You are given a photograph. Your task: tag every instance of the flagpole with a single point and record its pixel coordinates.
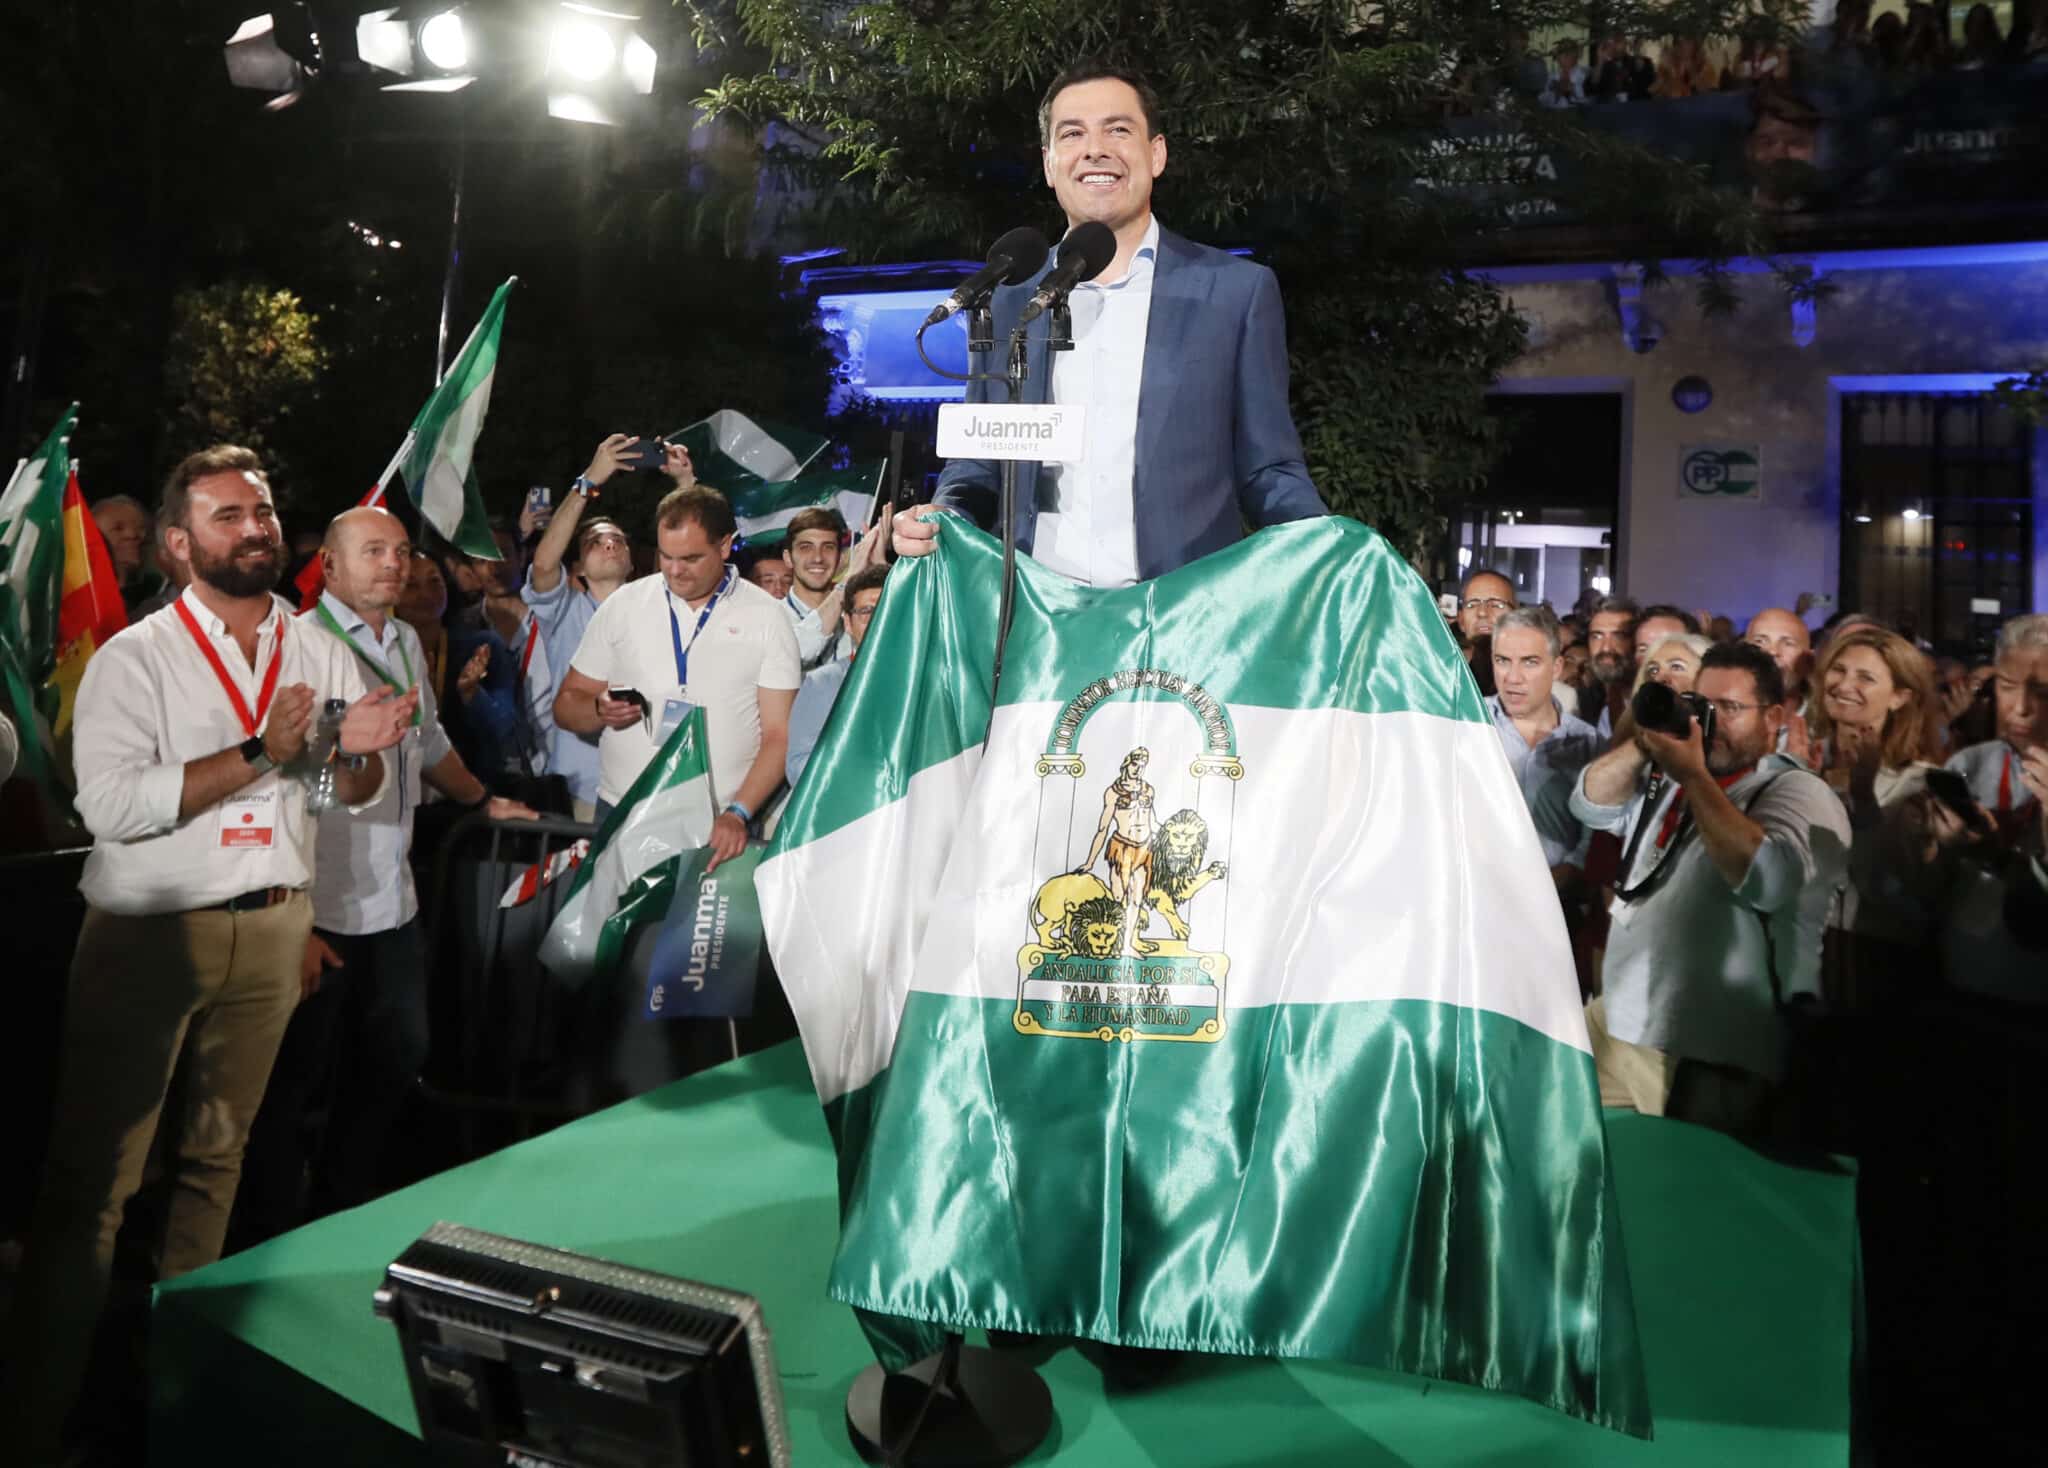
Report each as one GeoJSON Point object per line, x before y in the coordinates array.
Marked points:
{"type": "Point", "coordinates": [454, 248]}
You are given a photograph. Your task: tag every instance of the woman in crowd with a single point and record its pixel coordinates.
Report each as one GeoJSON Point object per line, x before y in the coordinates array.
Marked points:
{"type": "Point", "coordinates": [1683, 70]}
{"type": "Point", "coordinates": [1872, 724]}
{"type": "Point", "coordinates": [1981, 41]}
{"type": "Point", "coordinates": [1674, 662]}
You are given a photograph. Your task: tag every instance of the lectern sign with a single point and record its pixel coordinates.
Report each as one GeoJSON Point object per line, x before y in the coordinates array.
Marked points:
{"type": "Point", "coordinates": [1045, 432]}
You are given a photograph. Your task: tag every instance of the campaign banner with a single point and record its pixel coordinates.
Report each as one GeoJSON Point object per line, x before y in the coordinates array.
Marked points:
{"type": "Point", "coordinates": [708, 949]}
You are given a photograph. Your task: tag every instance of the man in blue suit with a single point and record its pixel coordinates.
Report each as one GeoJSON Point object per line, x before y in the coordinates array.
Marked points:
{"type": "Point", "coordinates": [1180, 358]}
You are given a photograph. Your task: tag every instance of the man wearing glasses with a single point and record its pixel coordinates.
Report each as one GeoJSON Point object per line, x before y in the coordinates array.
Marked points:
{"type": "Point", "coordinates": [1485, 595]}
{"type": "Point", "coordinates": [861, 593]}
{"type": "Point", "coordinates": [1732, 854]}
{"type": "Point", "coordinates": [564, 599]}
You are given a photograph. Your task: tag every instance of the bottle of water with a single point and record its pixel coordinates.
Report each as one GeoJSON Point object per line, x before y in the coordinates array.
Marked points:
{"type": "Point", "coordinates": [326, 735]}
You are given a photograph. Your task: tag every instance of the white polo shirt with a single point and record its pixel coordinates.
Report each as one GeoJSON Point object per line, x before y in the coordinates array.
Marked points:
{"type": "Point", "coordinates": [746, 644]}
{"type": "Point", "coordinates": [149, 703]}
{"type": "Point", "coordinates": [364, 883]}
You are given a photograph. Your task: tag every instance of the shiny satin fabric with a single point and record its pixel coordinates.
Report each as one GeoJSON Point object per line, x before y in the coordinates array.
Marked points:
{"type": "Point", "coordinates": [1408, 1176]}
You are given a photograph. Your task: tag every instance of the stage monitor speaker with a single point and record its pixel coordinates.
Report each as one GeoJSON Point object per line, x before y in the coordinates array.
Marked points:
{"type": "Point", "coordinates": [522, 1354]}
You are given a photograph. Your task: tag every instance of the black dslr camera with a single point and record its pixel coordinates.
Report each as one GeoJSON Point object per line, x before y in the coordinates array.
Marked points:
{"type": "Point", "coordinates": [1670, 712]}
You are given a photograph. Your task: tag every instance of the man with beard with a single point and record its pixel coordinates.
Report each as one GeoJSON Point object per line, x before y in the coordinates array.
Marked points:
{"type": "Point", "coordinates": [1611, 647]}
{"type": "Point", "coordinates": [364, 1015]}
{"type": "Point", "coordinates": [193, 761]}
{"type": "Point", "coordinates": [1733, 855]}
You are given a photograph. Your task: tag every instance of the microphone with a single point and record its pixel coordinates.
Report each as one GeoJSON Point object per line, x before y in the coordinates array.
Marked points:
{"type": "Point", "coordinates": [1084, 254]}
{"type": "Point", "coordinates": [1012, 260]}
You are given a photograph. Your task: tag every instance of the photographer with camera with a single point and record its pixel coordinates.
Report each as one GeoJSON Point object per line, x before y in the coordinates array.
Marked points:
{"type": "Point", "coordinates": [1732, 857]}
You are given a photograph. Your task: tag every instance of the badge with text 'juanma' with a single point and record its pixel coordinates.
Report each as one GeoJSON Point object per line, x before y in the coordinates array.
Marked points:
{"type": "Point", "coordinates": [1046, 432]}
{"type": "Point", "coordinates": [1118, 950]}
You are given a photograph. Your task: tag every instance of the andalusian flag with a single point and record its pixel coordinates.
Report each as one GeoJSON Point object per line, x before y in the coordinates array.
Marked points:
{"type": "Point", "coordinates": [32, 559]}
{"type": "Point", "coordinates": [91, 610]}
{"type": "Point", "coordinates": [1222, 1003]}
{"type": "Point", "coordinates": [435, 458]}
{"type": "Point", "coordinates": [764, 512]}
{"type": "Point", "coordinates": [734, 454]}
{"type": "Point", "coordinates": [630, 874]}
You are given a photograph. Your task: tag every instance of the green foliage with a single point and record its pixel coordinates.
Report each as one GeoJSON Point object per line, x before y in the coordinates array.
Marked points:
{"type": "Point", "coordinates": [1314, 130]}
{"type": "Point", "coordinates": [244, 362]}
{"type": "Point", "coordinates": [2026, 396]}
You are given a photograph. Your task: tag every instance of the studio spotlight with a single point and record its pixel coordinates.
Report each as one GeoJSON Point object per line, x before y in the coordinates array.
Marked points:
{"type": "Point", "coordinates": [444, 41]}
{"type": "Point", "coordinates": [596, 63]}
{"type": "Point", "coordinates": [274, 52]}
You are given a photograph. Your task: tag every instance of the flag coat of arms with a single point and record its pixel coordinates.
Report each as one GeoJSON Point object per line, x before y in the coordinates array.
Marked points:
{"type": "Point", "coordinates": [1222, 1003]}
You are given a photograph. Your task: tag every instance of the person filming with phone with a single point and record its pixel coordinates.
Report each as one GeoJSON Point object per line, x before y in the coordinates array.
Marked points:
{"type": "Point", "coordinates": [1732, 855]}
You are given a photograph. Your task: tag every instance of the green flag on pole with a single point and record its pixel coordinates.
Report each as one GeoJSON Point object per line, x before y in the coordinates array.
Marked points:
{"type": "Point", "coordinates": [645, 843]}
{"type": "Point", "coordinates": [32, 551]}
{"type": "Point", "coordinates": [733, 453]}
{"type": "Point", "coordinates": [765, 510]}
{"type": "Point", "coordinates": [435, 460]}
{"type": "Point", "coordinates": [1176, 1017]}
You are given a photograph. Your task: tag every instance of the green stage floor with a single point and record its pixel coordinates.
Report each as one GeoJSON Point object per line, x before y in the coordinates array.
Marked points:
{"type": "Point", "coordinates": [1744, 1278]}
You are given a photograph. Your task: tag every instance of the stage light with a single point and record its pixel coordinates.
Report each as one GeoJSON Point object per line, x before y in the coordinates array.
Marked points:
{"type": "Point", "coordinates": [1601, 584]}
{"type": "Point", "coordinates": [444, 41]}
{"type": "Point", "coordinates": [582, 49]}
{"type": "Point", "coordinates": [596, 63]}
{"type": "Point", "coordinates": [1911, 512]}
{"type": "Point", "coordinates": [274, 52]}
{"type": "Point", "coordinates": [1862, 519]}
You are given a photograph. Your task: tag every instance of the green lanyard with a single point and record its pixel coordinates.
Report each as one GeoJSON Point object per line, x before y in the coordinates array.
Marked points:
{"type": "Point", "coordinates": [373, 665]}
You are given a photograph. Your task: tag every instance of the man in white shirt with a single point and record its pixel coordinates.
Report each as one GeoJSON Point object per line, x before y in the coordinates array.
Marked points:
{"type": "Point", "coordinates": [192, 763]}
{"type": "Point", "coordinates": [695, 635]}
{"type": "Point", "coordinates": [364, 1015]}
{"type": "Point", "coordinates": [1179, 358]}
{"type": "Point", "coordinates": [810, 549]}
{"type": "Point", "coordinates": [1728, 872]}
{"type": "Point", "coordinates": [1546, 744]}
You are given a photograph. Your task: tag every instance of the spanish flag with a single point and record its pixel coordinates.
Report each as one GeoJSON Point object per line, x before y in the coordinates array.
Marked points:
{"type": "Point", "coordinates": [90, 611]}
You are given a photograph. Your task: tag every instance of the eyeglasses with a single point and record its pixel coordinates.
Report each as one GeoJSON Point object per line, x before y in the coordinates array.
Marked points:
{"type": "Point", "coordinates": [1490, 603]}
{"type": "Point", "coordinates": [862, 612]}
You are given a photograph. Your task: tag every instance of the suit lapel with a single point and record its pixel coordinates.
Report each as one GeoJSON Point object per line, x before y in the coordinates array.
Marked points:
{"type": "Point", "coordinates": [1178, 288]}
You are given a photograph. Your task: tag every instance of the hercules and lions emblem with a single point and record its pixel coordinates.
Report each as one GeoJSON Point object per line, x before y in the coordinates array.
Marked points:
{"type": "Point", "coordinates": [1113, 953]}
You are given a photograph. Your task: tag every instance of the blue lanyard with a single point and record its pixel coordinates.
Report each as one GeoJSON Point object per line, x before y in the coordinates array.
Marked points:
{"type": "Point", "coordinates": [675, 632]}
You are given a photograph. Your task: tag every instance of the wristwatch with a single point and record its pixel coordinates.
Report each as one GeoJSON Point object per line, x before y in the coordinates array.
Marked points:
{"type": "Point", "coordinates": [258, 756]}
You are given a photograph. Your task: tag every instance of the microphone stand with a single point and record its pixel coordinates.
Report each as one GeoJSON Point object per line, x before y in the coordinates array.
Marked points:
{"type": "Point", "coordinates": [1059, 337]}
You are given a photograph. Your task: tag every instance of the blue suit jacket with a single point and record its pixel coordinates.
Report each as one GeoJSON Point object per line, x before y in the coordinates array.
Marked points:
{"type": "Point", "coordinates": [1216, 444]}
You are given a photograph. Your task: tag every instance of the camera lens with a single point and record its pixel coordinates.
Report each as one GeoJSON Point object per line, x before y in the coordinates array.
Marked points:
{"type": "Point", "coordinates": [1657, 708]}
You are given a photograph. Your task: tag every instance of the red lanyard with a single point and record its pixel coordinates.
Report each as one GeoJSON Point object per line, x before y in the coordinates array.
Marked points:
{"type": "Point", "coordinates": [250, 723]}
{"type": "Point", "coordinates": [2004, 781]}
{"type": "Point", "coordinates": [1674, 812]}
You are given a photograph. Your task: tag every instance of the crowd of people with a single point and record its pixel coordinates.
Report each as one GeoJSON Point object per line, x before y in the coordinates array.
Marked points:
{"type": "Point", "coordinates": [248, 1009]}
{"type": "Point", "coordinates": [1916, 40]}
{"type": "Point", "coordinates": [1749, 831]}
{"type": "Point", "coordinates": [1790, 822]}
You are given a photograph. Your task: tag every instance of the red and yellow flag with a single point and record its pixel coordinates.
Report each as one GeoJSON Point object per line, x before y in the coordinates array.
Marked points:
{"type": "Point", "coordinates": [90, 611]}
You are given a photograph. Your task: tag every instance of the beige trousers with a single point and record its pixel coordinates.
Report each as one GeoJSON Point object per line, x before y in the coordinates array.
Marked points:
{"type": "Point", "coordinates": [210, 992]}
{"type": "Point", "coordinates": [1655, 1083]}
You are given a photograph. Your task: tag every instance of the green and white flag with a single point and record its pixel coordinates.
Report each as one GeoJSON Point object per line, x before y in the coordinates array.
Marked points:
{"type": "Point", "coordinates": [436, 457]}
{"type": "Point", "coordinates": [645, 843]}
{"type": "Point", "coordinates": [32, 550]}
{"type": "Point", "coordinates": [764, 512]}
{"type": "Point", "coordinates": [1222, 1003]}
{"type": "Point", "coordinates": [734, 453]}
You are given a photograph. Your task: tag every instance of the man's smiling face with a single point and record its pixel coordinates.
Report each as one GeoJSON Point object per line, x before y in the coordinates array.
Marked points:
{"type": "Point", "coordinates": [1100, 156]}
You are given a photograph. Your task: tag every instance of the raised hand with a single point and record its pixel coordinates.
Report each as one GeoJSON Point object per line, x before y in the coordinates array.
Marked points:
{"type": "Point", "coordinates": [605, 462]}
{"type": "Point", "coordinates": [377, 720]}
{"type": "Point", "coordinates": [915, 535]}
{"type": "Point", "coordinates": [471, 677]}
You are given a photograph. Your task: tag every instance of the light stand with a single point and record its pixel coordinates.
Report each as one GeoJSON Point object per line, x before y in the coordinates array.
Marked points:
{"type": "Point", "coordinates": [966, 1407]}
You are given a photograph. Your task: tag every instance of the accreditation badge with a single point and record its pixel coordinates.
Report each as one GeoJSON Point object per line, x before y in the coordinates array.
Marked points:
{"type": "Point", "coordinates": [248, 821]}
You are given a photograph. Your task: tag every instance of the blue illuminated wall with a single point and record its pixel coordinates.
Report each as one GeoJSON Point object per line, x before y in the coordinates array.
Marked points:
{"type": "Point", "coordinates": [876, 333]}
